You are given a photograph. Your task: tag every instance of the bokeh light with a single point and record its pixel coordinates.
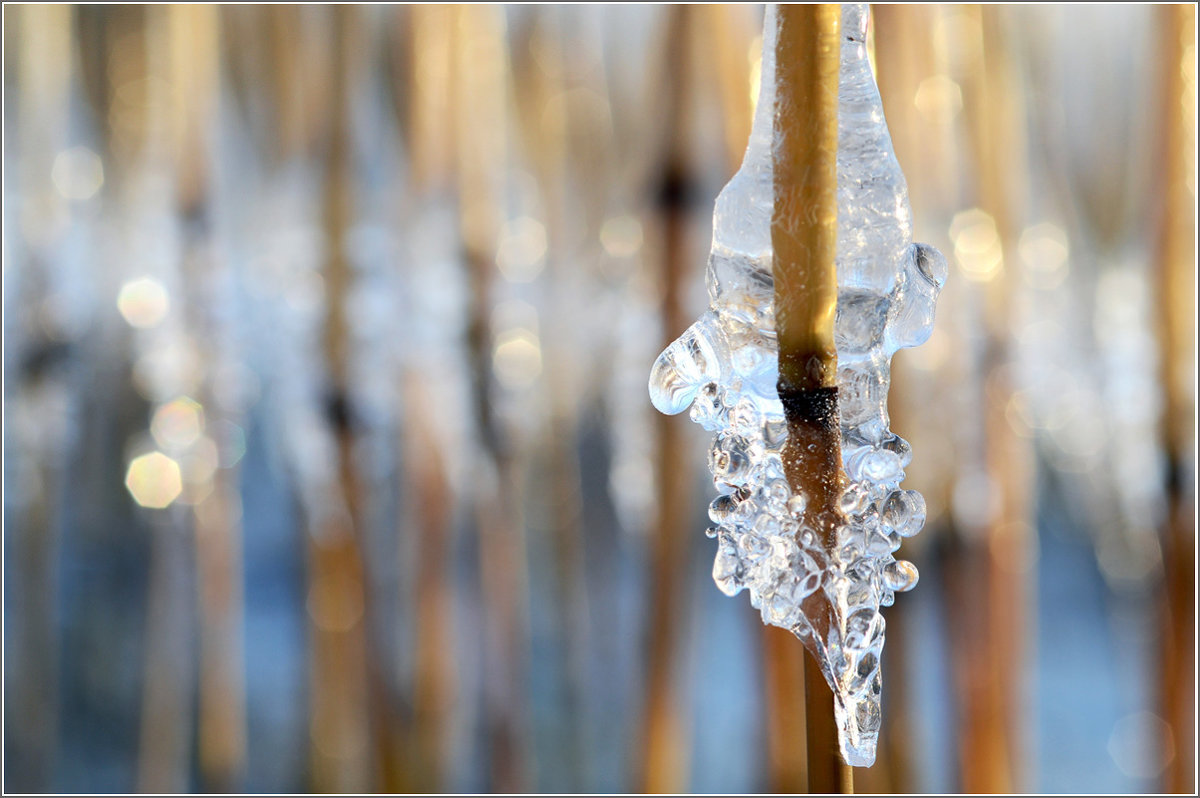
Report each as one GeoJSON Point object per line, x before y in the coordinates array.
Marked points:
{"type": "Point", "coordinates": [78, 173]}
{"type": "Point", "coordinates": [144, 302]}
{"type": "Point", "coordinates": [178, 423]}
{"type": "Point", "coordinates": [154, 480]}
{"type": "Point", "coordinates": [977, 244]}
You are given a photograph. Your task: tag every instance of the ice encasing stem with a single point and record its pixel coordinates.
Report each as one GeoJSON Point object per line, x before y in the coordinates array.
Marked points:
{"type": "Point", "coordinates": [804, 243]}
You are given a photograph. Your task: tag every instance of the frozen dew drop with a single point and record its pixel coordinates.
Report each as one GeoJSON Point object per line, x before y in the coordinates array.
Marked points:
{"type": "Point", "coordinates": [681, 369]}
{"type": "Point", "coordinates": [670, 390]}
{"type": "Point", "coordinates": [707, 408]}
{"type": "Point", "coordinates": [721, 508]}
{"type": "Point", "coordinates": [854, 500]}
{"type": "Point", "coordinates": [752, 547]}
{"type": "Point", "coordinates": [777, 491]}
{"type": "Point", "coordinates": [903, 512]}
{"type": "Point", "coordinates": [878, 544]}
{"type": "Point", "coordinates": [728, 569]}
{"type": "Point", "coordinates": [863, 628]}
{"type": "Point", "coordinates": [900, 576]}
{"type": "Point", "coordinates": [729, 460]}
{"type": "Point", "coordinates": [932, 265]}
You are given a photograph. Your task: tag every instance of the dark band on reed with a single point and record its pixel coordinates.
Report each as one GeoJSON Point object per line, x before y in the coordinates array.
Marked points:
{"type": "Point", "coordinates": [814, 407]}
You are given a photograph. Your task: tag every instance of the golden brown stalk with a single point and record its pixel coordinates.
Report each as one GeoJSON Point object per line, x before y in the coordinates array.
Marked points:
{"type": "Point", "coordinates": [726, 35]}
{"type": "Point", "coordinates": [433, 678]}
{"type": "Point", "coordinates": [294, 80]}
{"type": "Point", "coordinates": [166, 722]}
{"type": "Point", "coordinates": [193, 34]}
{"type": "Point", "coordinates": [166, 715]}
{"type": "Point", "coordinates": [553, 132]}
{"type": "Point", "coordinates": [40, 36]}
{"type": "Point", "coordinates": [804, 240]}
{"type": "Point", "coordinates": [922, 138]}
{"type": "Point", "coordinates": [787, 737]}
{"type": "Point", "coordinates": [664, 753]}
{"type": "Point", "coordinates": [783, 660]}
{"type": "Point", "coordinates": [991, 732]}
{"type": "Point", "coordinates": [222, 708]}
{"type": "Point", "coordinates": [421, 76]}
{"type": "Point", "coordinates": [479, 125]}
{"type": "Point", "coordinates": [1177, 292]}
{"type": "Point", "coordinates": [348, 714]}
{"type": "Point", "coordinates": [432, 120]}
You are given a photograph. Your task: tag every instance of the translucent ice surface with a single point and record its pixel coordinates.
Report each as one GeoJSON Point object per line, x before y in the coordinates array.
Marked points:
{"type": "Point", "coordinates": [725, 367]}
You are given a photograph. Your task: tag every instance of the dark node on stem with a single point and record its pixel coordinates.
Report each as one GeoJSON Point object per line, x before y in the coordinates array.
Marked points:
{"type": "Point", "coordinates": [1175, 478]}
{"type": "Point", "coordinates": [44, 358]}
{"type": "Point", "coordinates": [676, 191]}
{"type": "Point", "coordinates": [194, 214]}
{"type": "Point", "coordinates": [812, 454]}
{"type": "Point", "coordinates": [813, 407]}
{"type": "Point", "coordinates": [338, 410]}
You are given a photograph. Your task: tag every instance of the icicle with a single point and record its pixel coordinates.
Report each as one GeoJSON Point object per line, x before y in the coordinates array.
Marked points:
{"type": "Point", "coordinates": [725, 367]}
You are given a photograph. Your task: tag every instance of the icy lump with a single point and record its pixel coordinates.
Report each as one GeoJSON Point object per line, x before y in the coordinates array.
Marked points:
{"type": "Point", "coordinates": [725, 367]}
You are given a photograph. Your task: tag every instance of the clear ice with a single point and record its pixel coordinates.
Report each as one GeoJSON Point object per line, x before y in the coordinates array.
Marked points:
{"type": "Point", "coordinates": [725, 367]}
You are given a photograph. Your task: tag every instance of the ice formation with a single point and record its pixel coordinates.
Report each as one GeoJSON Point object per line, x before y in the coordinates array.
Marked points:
{"type": "Point", "coordinates": [725, 368]}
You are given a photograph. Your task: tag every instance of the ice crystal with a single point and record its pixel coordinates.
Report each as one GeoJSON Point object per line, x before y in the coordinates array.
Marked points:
{"type": "Point", "coordinates": [725, 368]}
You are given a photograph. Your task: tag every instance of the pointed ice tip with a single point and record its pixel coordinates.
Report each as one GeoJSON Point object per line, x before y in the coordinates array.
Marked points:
{"type": "Point", "coordinates": [858, 757]}
{"type": "Point", "coordinates": [858, 721]}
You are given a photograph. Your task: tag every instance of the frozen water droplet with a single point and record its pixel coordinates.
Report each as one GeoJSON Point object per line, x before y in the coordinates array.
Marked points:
{"type": "Point", "coordinates": [729, 460]}
{"type": "Point", "coordinates": [904, 512]}
{"type": "Point", "coordinates": [932, 264]}
{"type": "Point", "coordinates": [900, 576]}
{"type": "Point", "coordinates": [864, 628]}
{"type": "Point", "coordinates": [721, 508]}
{"type": "Point", "coordinates": [878, 544]}
{"type": "Point", "coordinates": [854, 500]}
{"type": "Point", "coordinates": [682, 368]}
{"type": "Point", "coordinates": [899, 447]}
{"type": "Point", "coordinates": [871, 465]}
{"type": "Point", "coordinates": [774, 433]}
{"type": "Point", "coordinates": [707, 409]}
{"type": "Point", "coordinates": [745, 417]}
{"type": "Point", "coordinates": [752, 547]}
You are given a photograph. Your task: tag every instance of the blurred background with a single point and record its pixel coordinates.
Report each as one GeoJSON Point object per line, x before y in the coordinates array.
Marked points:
{"type": "Point", "coordinates": [329, 463]}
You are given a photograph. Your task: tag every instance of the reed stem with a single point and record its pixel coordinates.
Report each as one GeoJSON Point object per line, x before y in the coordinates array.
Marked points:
{"type": "Point", "coordinates": [804, 241]}
{"type": "Point", "coordinates": [1176, 283]}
